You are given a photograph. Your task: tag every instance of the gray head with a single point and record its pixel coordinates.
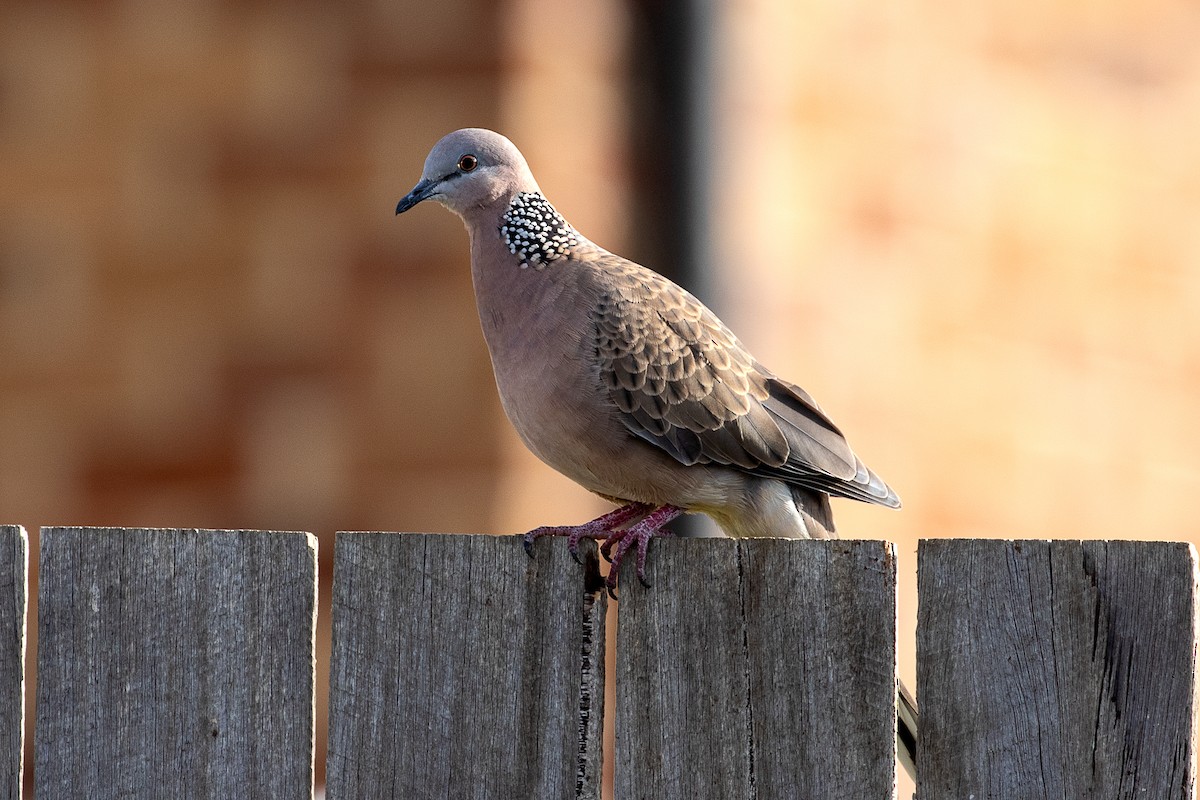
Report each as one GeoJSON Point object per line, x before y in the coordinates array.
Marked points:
{"type": "Point", "coordinates": [471, 169]}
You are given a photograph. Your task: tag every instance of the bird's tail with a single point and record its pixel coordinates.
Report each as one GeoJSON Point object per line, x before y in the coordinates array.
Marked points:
{"type": "Point", "coordinates": [906, 729]}
{"type": "Point", "coordinates": [815, 511]}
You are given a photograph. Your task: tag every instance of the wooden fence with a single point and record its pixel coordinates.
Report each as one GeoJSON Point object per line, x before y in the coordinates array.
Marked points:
{"type": "Point", "coordinates": [179, 664]}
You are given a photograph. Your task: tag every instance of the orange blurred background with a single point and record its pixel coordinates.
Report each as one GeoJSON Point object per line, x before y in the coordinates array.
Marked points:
{"type": "Point", "coordinates": [972, 233]}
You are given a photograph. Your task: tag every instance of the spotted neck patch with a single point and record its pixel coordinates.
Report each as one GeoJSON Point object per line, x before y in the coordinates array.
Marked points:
{"type": "Point", "coordinates": [536, 233]}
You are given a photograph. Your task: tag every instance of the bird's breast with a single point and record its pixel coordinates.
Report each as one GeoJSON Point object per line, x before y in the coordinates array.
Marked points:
{"type": "Point", "coordinates": [539, 331]}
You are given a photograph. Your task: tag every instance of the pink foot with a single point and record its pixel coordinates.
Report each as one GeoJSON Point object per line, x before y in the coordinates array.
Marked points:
{"type": "Point", "coordinates": [599, 529]}
{"type": "Point", "coordinates": [637, 535]}
{"type": "Point", "coordinates": [616, 539]}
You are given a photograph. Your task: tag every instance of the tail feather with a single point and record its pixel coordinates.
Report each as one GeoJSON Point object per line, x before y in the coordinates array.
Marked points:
{"type": "Point", "coordinates": [906, 729]}
{"type": "Point", "coordinates": [815, 511]}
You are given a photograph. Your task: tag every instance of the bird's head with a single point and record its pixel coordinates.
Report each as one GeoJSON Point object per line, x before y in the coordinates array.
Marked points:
{"type": "Point", "coordinates": [471, 169]}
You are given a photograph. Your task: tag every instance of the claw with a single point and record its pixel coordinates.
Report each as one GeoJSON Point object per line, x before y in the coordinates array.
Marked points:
{"type": "Point", "coordinates": [637, 536]}
{"type": "Point", "coordinates": [575, 534]}
{"type": "Point", "coordinates": [615, 539]}
{"type": "Point", "coordinates": [574, 537]}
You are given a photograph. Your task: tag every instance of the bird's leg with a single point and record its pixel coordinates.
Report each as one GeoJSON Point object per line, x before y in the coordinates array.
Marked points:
{"type": "Point", "coordinates": [601, 528]}
{"type": "Point", "coordinates": [639, 535]}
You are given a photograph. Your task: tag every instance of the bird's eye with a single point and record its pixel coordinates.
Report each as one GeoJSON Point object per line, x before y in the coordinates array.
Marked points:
{"type": "Point", "coordinates": [468, 163]}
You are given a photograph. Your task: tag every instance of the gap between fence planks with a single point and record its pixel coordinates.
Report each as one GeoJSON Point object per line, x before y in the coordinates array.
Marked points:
{"type": "Point", "coordinates": [14, 563]}
{"type": "Point", "coordinates": [758, 668]}
{"type": "Point", "coordinates": [175, 663]}
{"type": "Point", "coordinates": [462, 668]}
{"type": "Point", "coordinates": [1056, 669]}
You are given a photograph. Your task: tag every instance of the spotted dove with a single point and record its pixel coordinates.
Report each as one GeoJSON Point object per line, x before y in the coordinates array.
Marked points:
{"type": "Point", "coordinates": [627, 384]}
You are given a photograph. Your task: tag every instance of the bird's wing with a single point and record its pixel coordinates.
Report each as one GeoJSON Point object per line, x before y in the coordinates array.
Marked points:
{"type": "Point", "coordinates": [812, 434]}
{"type": "Point", "coordinates": [685, 383]}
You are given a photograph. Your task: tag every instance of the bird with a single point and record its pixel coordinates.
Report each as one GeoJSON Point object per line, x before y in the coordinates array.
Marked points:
{"type": "Point", "coordinates": [625, 382]}
{"type": "Point", "coordinates": [629, 385]}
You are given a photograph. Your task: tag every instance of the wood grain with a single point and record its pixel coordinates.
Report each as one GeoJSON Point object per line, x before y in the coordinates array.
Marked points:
{"type": "Point", "coordinates": [758, 668]}
{"type": "Point", "coordinates": [1056, 669]}
{"type": "Point", "coordinates": [175, 663]}
{"type": "Point", "coordinates": [462, 668]}
{"type": "Point", "coordinates": [14, 570]}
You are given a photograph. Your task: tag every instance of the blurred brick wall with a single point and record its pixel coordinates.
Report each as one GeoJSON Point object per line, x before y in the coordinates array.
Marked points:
{"type": "Point", "coordinates": [208, 314]}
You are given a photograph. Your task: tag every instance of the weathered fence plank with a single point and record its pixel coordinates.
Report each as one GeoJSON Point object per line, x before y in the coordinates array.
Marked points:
{"type": "Point", "coordinates": [1056, 669]}
{"type": "Point", "coordinates": [758, 669]}
{"type": "Point", "coordinates": [14, 562]}
{"type": "Point", "coordinates": [462, 668]}
{"type": "Point", "coordinates": [175, 663]}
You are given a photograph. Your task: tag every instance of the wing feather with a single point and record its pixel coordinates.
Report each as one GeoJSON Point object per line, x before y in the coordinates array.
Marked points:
{"type": "Point", "coordinates": [684, 383]}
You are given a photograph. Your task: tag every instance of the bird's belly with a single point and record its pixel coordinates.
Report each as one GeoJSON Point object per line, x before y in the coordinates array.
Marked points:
{"type": "Point", "coordinates": [563, 428]}
{"type": "Point", "coordinates": [578, 432]}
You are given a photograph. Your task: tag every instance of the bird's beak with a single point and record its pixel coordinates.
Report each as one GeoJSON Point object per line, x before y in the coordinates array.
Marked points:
{"type": "Point", "coordinates": [422, 191]}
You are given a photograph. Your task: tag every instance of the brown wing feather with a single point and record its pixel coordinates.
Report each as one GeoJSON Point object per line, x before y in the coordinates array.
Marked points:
{"type": "Point", "coordinates": [686, 384]}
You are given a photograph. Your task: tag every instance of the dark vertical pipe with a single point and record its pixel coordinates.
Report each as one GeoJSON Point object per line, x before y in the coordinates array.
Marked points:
{"type": "Point", "coordinates": [672, 90]}
{"type": "Point", "coordinates": [670, 136]}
